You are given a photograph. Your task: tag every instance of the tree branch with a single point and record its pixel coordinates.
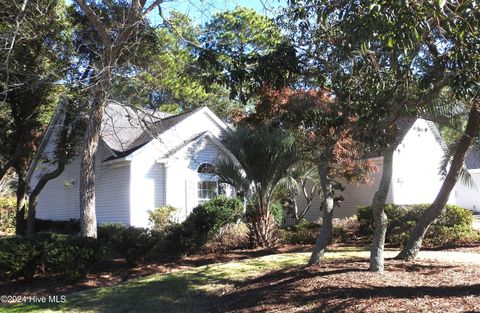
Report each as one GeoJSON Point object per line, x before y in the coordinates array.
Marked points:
{"type": "Point", "coordinates": [97, 23]}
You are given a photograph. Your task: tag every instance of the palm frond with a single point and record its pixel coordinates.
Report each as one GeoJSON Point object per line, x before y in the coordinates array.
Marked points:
{"type": "Point", "coordinates": [231, 173]}
{"type": "Point", "coordinates": [464, 175]}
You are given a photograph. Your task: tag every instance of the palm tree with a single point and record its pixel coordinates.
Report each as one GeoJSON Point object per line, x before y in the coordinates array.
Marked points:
{"type": "Point", "coordinates": [302, 179]}
{"type": "Point", "coordinates": [263, 157]}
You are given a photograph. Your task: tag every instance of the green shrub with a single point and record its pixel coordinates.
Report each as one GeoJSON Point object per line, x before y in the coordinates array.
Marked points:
{"type": "Point", "coordinates": [304, 232]}
{"type": "Point", "coordinates": [276, 210]}
{"type": "Point", "coordinates": [72, 257]}
{"type": "Point", "coordinates": [134, 243]}
{"type": "Point", "coordinates": [161, 218]}
{"type": "Point", "coordinates": [7, 214]}
{"type": "Point", "coordinates": [69, 227]}
{"type": "Point", "coordinates": [19, 257]}
{"type": "Point", "coordinates": [110, 234]}
{"type": "Point", "coordinates": [203, 224]}
{"type": "Point", "coordinates": [448, 229]}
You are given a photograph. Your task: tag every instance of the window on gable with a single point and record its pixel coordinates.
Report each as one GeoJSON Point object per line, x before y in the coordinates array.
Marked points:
{"type": "Point", "coordinates": [205, 168]}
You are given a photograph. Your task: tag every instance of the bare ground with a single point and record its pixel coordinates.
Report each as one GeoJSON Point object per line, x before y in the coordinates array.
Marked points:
{"type": "Point", "coordinates": [347, 286]}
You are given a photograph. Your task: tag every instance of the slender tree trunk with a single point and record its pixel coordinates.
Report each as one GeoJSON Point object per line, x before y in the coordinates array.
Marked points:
{"type": "Point", "coordinates": [414, 242]}
{"type": "Point", "coordinates": [21, 204]}
{"type": "Point", "coordinates": [327, 224]}
{"type": "Point", "coordinates": [42, 182]}
{"type": "Point", "coordinates": [88, 217]}
{"type": "Point", "coordinates": [378, 211]}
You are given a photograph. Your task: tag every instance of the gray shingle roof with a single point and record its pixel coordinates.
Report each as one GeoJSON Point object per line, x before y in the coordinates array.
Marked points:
{"type": "Point", "coordinates": [125, 129]}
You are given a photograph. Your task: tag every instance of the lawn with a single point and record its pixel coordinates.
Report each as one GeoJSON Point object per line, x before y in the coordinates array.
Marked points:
{"type": "Point", "coordinates": [280, 282]}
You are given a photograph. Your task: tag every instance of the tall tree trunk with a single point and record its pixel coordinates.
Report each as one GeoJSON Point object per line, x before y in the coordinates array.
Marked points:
{"type": "Point", "coordinates": [21, 204]}
{"type": "Point", "coordinates": [88, 217]}
{"type": "Point", "coordinates": [33, 197]}
{"type": "Point", "coordinates": [378, 211]}
{"type": "Point", "coordinates": [414, 242]}
{"type": "Point", "coordinates": [327, 224]}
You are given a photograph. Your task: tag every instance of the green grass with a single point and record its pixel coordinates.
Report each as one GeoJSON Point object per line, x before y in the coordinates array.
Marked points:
{"type": "Point", "coordinates": [191, 290]}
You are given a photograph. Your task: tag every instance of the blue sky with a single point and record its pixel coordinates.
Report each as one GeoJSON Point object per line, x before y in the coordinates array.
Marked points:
{"type": "Point", "coordinates": [201, 10]}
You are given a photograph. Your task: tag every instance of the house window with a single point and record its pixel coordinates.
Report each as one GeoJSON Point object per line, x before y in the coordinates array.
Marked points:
{"type": "Point", "coordinates": [205, 168]}
{"type": "Point", "coordinates": [208, 185]}
{"type": "Point", "coordinates": [207, 190]}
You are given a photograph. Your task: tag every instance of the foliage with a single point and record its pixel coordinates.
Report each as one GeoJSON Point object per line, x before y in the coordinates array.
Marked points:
{"type": "Point", "coordinates": [161, 218]}
{"type": "Point", "coordinates": [19, 257]}
{"type": "Point", "coordinates": [233, 236]}
{"type": "Point", "coordinates": [73, 257]}
{"type": "Point", "coordinates": [71, 226]}
{"type": "Point", "coordinates": [306, 232]}
{"type": "Point", "coordinates": [244, 51]}
{"type": "Point", "coordinates": [36, 58]}
{"type": "Point", "coordinates": [7, 214]}
{"type": "Point", "coordinates": [69, 256]}
{"type": "Point", "coordinates": [264, 156]}
{"type": "Point", "coordinates": [454, 222]}
{"type": "Point", "coordinates": [277, 212]}
{"type": "Point", "coordinates": [131, 243]}
{"type": "Point", "coordinates": [164, 75]}
{"type": "Point", "coordinates": [202, 225]}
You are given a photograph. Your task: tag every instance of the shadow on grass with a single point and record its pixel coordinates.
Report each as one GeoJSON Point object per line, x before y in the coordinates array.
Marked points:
{"type": "Point", "coordinates": [179, 292]}
{"type": "Point", "coordinates": [295, 287]}
{"type": "Point", "coordinates": [244, 286]}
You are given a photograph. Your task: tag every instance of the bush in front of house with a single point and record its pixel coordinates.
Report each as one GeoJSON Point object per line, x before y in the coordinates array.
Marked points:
{"type": "Point", "coordinates": [303, 233]}
{"type": "Point", "coordinates": [19, 257]}
{"type": "Point", "coordinates": [71, 257]}
{"type": "Point", "coordinates": [453, 227]}
{"type": "Point", "coordinates": [70, 227]}
{"type": "Point", "coordinates": [232, 237]}
{"type": "Point", "coordinates": [204, 223]}
{"type": "Point", "coordinates": [128, 242]}
{"type": "Point", "coordinates": [306, 232]}
{"type": "Point", "coordinates": [161, 218]}
{"type": "Point", "coordinates": [7, 214]}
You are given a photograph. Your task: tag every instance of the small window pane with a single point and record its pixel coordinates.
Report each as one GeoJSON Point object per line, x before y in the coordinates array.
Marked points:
{"type": "Point", "coordinates": [207, 190]}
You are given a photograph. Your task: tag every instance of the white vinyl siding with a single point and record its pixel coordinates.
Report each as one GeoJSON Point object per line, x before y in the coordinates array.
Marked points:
{"type": "Point", "coordinates": [60, 202]}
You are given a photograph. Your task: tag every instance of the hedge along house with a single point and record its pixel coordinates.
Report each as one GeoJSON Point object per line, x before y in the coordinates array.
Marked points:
{"type": "Point", "coordinates": [143, 162]}
{"type": "Point", "coordinates": [415, 178]}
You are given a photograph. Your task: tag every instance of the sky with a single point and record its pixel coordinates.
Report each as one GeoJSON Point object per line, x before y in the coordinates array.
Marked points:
{"type": "Point", "coordinates": [202, 10]}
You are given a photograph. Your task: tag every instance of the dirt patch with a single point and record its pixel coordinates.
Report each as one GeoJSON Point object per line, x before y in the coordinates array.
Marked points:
{"type": "Point", "coordinates": [347, 286]}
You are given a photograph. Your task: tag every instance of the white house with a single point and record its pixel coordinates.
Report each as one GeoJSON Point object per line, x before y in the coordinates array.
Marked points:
{"type": "Point", "coordinates": [415, 177]}
{"type": "Point", "coordinates": [136, 173]}
{"type": "Point", "coordinates": [145, 162]}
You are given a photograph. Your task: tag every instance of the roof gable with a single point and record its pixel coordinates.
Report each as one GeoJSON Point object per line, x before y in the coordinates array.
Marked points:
{"type": "Point", "coordinates": [130, 135]}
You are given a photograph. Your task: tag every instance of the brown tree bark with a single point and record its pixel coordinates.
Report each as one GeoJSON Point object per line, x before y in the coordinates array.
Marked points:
{"type": "Point", "coordinates": [61, 162]}
{"type": "Point", "coordinates": [263, 230]}
{"type": "Point", "coordinates": [21, 203]}
{"type": "Point", "coordinates": [414, 243]}
{"type": "Point", "coordinates": [88, 218]}
{"type": "Point", "coordinates": [111, 51]}
{"type": "Point", "coordinates": [378, 211]}
{"type": "Point", "coordinates": [327, 224]}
